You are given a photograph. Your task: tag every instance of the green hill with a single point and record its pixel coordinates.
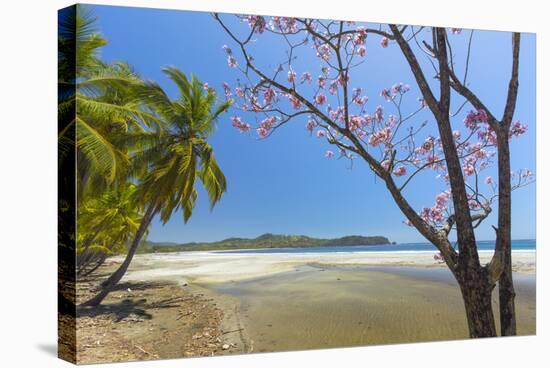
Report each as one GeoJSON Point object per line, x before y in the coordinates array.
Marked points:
{"type": "Point", "coordinates": [263, 241]}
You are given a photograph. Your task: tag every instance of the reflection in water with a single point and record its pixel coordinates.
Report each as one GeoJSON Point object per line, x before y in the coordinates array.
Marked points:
{"type": "Point", "coordinates": [321, 307]}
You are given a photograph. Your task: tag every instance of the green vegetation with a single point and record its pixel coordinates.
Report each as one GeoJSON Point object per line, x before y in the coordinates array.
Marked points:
{"type": "Point", "coordinates": [263, 241]}
{"type": "Point", "coordinates": [139, 153]}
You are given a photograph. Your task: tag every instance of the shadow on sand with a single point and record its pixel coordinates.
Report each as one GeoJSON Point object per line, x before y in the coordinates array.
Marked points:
{"type": "Point", "coordinates": [130, 306]}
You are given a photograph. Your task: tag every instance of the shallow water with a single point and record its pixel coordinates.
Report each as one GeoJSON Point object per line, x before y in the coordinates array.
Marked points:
{"type": "Point", "coordinates": [322, 307]}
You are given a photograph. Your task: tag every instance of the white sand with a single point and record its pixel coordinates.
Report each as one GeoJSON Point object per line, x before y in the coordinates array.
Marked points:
{"type": "Point", "coordinates": [211, 267]}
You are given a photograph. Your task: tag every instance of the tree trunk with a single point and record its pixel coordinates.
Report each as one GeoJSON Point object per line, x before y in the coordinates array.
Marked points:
{"type": "Point", "coordinates": [108, 285]}
{"type": "Point", "coordinates": [507, 295]}
{"type": "Point", "coordinates": [98, 264]}
{"type": "Point", "coordinates": [504, 238]}
{"type": "Point", "coordinates": [476, 293]}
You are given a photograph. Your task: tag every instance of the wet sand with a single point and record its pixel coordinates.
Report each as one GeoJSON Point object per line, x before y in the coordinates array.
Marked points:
{"type": "Point", "coordinates": [327, 307]}
{"type": "Point", "coordinates": [311, 301]}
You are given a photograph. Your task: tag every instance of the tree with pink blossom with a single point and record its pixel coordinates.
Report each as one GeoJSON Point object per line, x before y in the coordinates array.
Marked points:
{"type": "Point", "coordinates": [457, 147]}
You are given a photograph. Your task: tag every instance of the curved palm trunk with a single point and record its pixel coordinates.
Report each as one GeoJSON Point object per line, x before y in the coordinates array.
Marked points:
{"type": "Point", "coordinates": [98, 264]}
{"type": "Point", "coordinates": [108, 285]}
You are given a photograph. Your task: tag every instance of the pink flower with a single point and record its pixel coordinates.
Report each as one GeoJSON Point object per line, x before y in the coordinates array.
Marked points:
{"type": "Point", "coordinates": [329, 154]}
{"type": "Point", "coordinates": [321, 133]}
{"type": "Point", "coordinates": [456, 30]}
{"type": "Point", "coordinates": [255, 104]}
{"type": "Point", "coordinates": [262, 132]}
{"type": "Point", "coordinates": [469, 169]}
{"type": "Point", "coordinates": [226, 90]}
{"type": "Point", "coordinates": [296, 103]}
{"type": "Point", "coordinates": [517, 129]}
{"type": "Point", "coordinates": [474, 118]}
{"type": "Point", "coordinates": [320, 99]}
{"type": "Point", "coordinates": [436, 214]}
{"type": "Point", "coordinates": [269, 95]}
{"type": "Point", "coordinates": [381, 136]}
{"type": "Point", "coordinates": [291, 76]}
{"type": "Point", "coordinates": [284, 24]}
{"type": "Point", "coordinates": [322, 81]}
{"type": "Point", "coordinates": [343, 79]}
{"type": "Point", "coordinates": [442, 199]}
{"type": "Point", "coordinates": [428, 144]}
{"type": "Point", "coordinates": [487, 135]}
{"type": "Point", "coordinates": [237, 123]}
{"type": "Point", "coordinates": [232, 62]}
{"type": "Point", "coordinates": [489, 180]}
{"type": "Point", "coordinates": [356, 122]}
{"type": "Point", "coordinates": [360, 37]}
{"type": "Point", "coordinates": [306, 77]}
{"type": "Point", "coordinates": [384, 42]}
{"type": "Point", "coordinates": [386, 94]}
{"type": "Point", "coordinates": [362, 51]}
{"type": "Point", "coordinates": [267, 123]}
{"type": "Point", "coordinates": [400, 171]}
{"type": "Point", "coordinates": [378, 114]}
{"type": "Point", "coordinates": [360, 100]}
{"type": "Point", "coordinates": [310, 125]}
{"type": "Point", "coordinates": [400, 88]}
{"type": "Point", "coordinates": [257, 23]}
{"type": "Point", "coordinates": [323, 51]}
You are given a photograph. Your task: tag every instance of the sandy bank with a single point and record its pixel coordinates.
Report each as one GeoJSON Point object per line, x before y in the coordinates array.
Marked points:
{"type": "Point", "coordinates": [211, 267]}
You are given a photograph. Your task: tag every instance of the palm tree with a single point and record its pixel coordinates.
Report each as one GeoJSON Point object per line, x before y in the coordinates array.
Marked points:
{"type": "Point", "coordinates": [105, 225]}
{"type": "Point", "coordinates": [168, 166]}
{"type": "Point", "coordinates": [98, 105]}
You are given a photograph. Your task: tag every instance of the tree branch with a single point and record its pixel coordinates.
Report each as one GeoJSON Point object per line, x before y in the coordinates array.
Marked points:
{"type": "Point", "coordinates": [513, 85]}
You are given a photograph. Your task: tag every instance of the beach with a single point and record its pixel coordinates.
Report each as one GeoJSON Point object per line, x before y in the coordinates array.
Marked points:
{"type": "Point", "coordinates": [254, 302]}
{"type": "Point", "coordinates": [219, 267]}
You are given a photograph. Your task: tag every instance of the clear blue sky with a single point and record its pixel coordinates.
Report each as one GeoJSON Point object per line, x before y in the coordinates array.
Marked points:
{"type": "Point", "coordinates": [284, 184]}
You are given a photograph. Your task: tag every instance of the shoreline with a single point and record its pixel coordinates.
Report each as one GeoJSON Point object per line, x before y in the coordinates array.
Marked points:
{"type": "Point", "coordinates": [204, 303]}
{"type": "Point", "coordinates": [215, 267]}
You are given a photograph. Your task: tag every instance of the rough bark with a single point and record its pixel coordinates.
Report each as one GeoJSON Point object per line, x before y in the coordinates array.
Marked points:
{"type": "Point", "coordinates": [504, 233]}
{"type": "Point", "coordinates": [504, 240]}
{"type": "Point", "coordinates": [476, 294]}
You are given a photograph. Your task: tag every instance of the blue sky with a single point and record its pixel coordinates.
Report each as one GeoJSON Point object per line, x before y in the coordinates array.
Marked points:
{"type": "Point", "coordinates": [284, 184]}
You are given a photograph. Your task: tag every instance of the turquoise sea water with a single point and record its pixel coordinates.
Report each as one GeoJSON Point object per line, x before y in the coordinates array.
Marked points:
{"type": "Point", "coordinates": [517, 245]}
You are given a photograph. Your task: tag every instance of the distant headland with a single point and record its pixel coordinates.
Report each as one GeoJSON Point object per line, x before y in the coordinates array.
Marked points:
{"type": "Point", "coordinates": [264, 241]}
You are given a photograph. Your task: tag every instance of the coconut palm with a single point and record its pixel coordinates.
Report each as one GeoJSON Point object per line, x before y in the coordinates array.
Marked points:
{"type": "Point", "coordinates": [98, 104]}
{"type": "Point", "coordinates": [167, 167]}
{"type": "Point", "coordinates": [105, 225]}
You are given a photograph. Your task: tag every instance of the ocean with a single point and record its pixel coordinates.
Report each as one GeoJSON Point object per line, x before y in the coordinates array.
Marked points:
{"type": "Point", "coordinates": [483, 246]}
